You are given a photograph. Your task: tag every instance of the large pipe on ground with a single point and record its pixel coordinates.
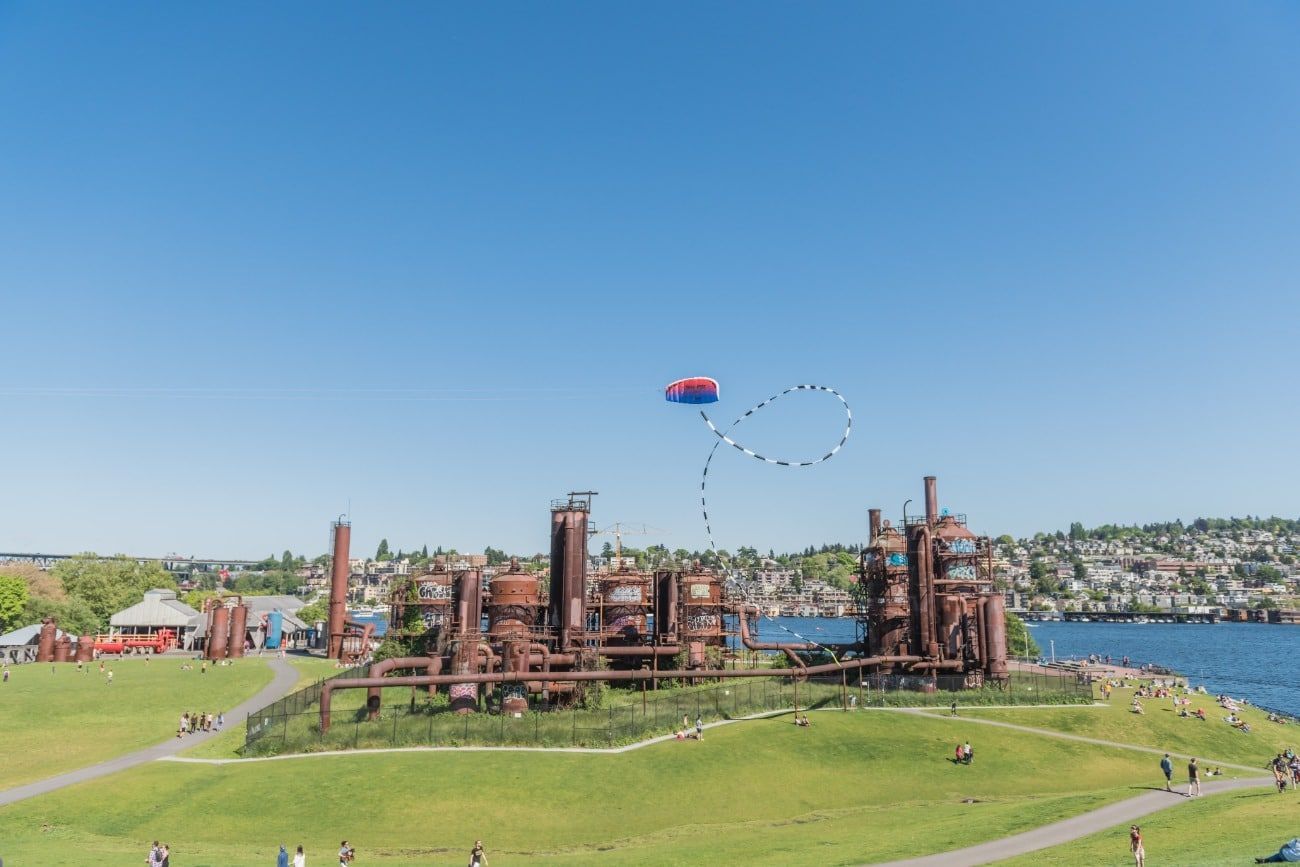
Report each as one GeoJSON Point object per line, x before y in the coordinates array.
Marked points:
{"type": "Point", "coordinates": [339, 571]}
{"type": "Point", "coordinates": [925, 592]}
{"type": "Point", "coordinates": [432, 665]}
{"type": "Point", "coordinates": [640, 674]}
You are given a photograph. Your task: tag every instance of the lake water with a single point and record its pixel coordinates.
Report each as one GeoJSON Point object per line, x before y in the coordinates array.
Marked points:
{"type": "Point", "coordinates": [1248, 660]}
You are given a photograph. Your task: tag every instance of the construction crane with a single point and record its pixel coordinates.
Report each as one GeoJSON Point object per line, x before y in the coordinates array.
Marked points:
{"type": "Point", "coordinates": [618, 530]}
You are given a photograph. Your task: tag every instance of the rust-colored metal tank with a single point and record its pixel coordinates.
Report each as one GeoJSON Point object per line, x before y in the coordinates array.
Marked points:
{"type": "Point", "coordinates": [62, 648]}
{"type": "Point", "coordinates": [568, 598]}
{"type": "Point", "coordinates": [889, 608]}
{"type": "Point", "coordinates": [238, 631]}
{"type": "Point", "coordinates": [218, 629]}
{"type": "Point", "coordinates": [625, 604]}
{"type": "Point", "coordinates": [995, 617]}
{"type": "Point", "coordinates": [701, 605]}
{"type": "Point", "coordinates": [339, 572]}
{"type": "Point", "coordinates": [514, 603]}
{"type": "Point", "coordinates": [469, 601]}
{"type": "Point", "coordinates": [45, 642]}
{"type": "Point", "coordinates": [85, 648]}
{"type": "Point", "coordinates": [423, 606]}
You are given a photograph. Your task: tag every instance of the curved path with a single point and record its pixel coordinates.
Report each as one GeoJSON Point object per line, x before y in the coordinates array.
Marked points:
{"type": "Point", "coordinates": [1065, 831]}
{"type": "Point", "coordinates": [286, 677]}
{"type": "Point", "coordinates": [1084, 824]}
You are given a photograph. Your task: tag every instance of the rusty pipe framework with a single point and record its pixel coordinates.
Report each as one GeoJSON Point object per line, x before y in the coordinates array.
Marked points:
{"type": "Point", "coordinates": [640, 674]}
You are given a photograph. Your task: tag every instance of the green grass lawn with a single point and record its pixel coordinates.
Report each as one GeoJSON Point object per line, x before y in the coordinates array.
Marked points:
{"type": "Point", "coordinates": [856, 787]}
{"type": "Point", "coordinates": [228, 743]}
{"type": "Point", "coordinates": [54, 722]}
{"type": "Point", "coordinates": [1162, 728]}
{"type": "Point", "coordinates": [1233, 828]}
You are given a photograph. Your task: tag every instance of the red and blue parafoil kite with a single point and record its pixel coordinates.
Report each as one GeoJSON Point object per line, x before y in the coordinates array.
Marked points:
{"type": "Point", "coordinates": [693, 389]}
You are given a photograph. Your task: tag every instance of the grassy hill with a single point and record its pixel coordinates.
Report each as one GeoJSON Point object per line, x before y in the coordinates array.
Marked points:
{"type": "Point", "coordinates": [854, 787]}
{"type": "Point", "coordinates": [54, 718]}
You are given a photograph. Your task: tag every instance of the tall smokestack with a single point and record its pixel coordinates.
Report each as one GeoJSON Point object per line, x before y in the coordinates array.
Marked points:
{"type": "Point", "coordinates": [873, 520]}
{"type": "Point", "coordinates": [931, 500]}
{"type": "Point", "coordinates": [339, 588]}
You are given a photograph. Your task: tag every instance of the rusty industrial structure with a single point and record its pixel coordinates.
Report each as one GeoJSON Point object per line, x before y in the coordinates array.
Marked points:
{"type": "Point", "coordinates": [522, 639]}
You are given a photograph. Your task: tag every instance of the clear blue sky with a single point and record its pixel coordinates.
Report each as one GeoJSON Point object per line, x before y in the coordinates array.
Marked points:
{"type": "Point", "coordinates": [1048, 251]}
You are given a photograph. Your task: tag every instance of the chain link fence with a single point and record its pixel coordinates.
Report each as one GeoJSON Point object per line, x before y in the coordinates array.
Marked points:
{"type": "Point", "coordinates": [408, 719]}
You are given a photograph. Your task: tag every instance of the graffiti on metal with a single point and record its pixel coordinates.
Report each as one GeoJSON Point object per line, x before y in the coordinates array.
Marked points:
{"type": "Point", "coordinates": [432, 619]}
{"type": "Point", "coordinates": [623, 593]}
{"type": "Point", "coordinates": [897, 559]}
{"type": "Point", "coordinates": [961, 573]}
{"type": "Point", "coordinates": [433, 590]}
{"type": "Point", "coordinates": [699, 591]}
{"type": "Point", "coordinates": [464, 690]}
{"type": "Point", "coordinates": [702, 622]}
{"type": "Point", "coordinates": [961, 546]}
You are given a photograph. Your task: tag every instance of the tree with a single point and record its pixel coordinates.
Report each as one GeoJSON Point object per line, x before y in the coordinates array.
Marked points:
{"type": "Point", "coordinates": [1077, 532]}
{"type": "Point", "coordinates": [1080, 570]}
{"type": "Point", "coordinates": [13, 599]}
{"type": "Point", "coordinates": [39, 582]}
{"type": "Point", "coordinates": [287, 562]}
{"type": "Point", "coordinates": [495, 556]}
{"type": "Point", "coordinates": [108, 584]}
{"type": "Point", "coordinates": [74, 615]}
{"type": "Point", "coordinates": [1019, 642]}
{"type": "Point", "coordinates": [381, 553]}
{"type": "Point", "coordinates": [318, 610]}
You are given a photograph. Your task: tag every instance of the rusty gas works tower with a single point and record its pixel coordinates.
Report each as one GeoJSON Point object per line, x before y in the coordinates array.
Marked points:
{"type": "Point", "coordinates": [929, 593]}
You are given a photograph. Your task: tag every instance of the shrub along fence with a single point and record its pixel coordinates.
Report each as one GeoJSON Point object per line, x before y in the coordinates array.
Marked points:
{"type": "Point", "coordinates": [411, 719]}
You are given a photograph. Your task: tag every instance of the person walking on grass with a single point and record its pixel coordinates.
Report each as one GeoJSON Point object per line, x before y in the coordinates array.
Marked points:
{"type": "Point", "coordinates": [699, 727]}
{"type": "Point", "coordinates": [299, 859]}
{"type": "Point", "coordinates": [953, 709]}
{"type": "Point", "coordinates": [477, 857]}
{"type": "Point", "coordinates": [1168, 767]}
{"type": "Point", "coordinates": [153, 858]}
{"type": "Point", "coordinates": [1135, 846]}
{"type": "Point", "coordinates": [1193, 779]}
{"type": "Point", "coordinates": [282, 859]}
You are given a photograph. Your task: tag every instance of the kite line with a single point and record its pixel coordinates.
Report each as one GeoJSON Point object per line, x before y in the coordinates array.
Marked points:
{"type": "Point", "coordinates": [702, 397]}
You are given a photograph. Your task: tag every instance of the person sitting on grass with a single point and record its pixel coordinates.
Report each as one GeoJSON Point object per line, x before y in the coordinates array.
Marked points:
{"type": "Point", "coordinates": [1136, 707]}
{"type": "Point", "coordinates": [1290, 852]}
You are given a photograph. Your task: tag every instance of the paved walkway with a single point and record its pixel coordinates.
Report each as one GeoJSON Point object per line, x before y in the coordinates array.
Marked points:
{"type": "Point", "coordinates": [286, 677]}
{"type": "Point", "coordinates": [1119, 813]}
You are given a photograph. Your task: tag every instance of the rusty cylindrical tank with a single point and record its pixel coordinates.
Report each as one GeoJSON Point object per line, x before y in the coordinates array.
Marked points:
{"type": "Point", "coordinates": [62, 648]}
{"type": "Point", "coordinates": [45, 642]}
{"type": "Point", "coordinates": [514, 602]}
{"type": "Point", "coordinates": [625, 603]}
{"type": "Point", "coordinates": [995, 620]}
{"type": "Point", "coordinates": [218, 631]}
{"type": "Point", "coordinates": [238, 631]}
{"type": "Point", "coordinates": [701, 601]}
{"type": "Point", "coordinates": [85, 648]}
{"type": "Point", "coordinates": [339, 571]}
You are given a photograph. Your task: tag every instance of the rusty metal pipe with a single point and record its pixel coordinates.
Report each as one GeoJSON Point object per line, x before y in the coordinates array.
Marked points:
{"type": "Point", "coordinates": [431, 664]}
{"type": "Point", "coordinates": [931, 500]}
{"type": "Point", "coordinates": [640, 674]}
{"type": "Point", "coordinates": [648, 650]}
{"type": "Point", "coordinates": [339, 574]}
{"type": "Point", "coordinates": [873, 525]}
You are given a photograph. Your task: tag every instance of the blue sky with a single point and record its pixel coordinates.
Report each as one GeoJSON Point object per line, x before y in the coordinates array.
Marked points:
{"type": "Point", "coordinates": [250, 254]}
